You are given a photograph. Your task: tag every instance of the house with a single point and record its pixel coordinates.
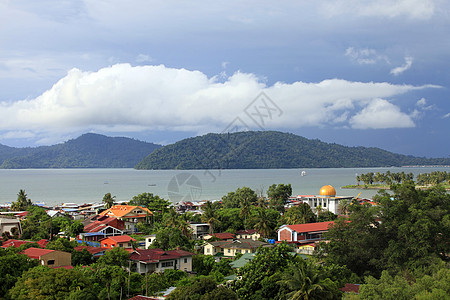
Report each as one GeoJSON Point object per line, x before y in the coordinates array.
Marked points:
{"type": "Point", "coordinates": [350, 288]}
{"type": "Point", "coordinates": [149, 240]}
{"type": "Point", "coordinates": [199, 230]}
{"type": "Point", "coordinates": [118, 241]}
{"type": "Point", "coordinates": [224, 236]}
{"type": "Point", "coordinates": [231, 248]}
{"type": "Point", "coordinates": [157, 260]}
{"type": "Point", "coordinates": [242, 261]}
{"type": "Point", "coordinates": [248, 234]}
{"type": "Point", "coordinates": [131, 214]}
{"type": "Point", "coordinates": [8, 223]}
{"type": "Point", "coordinates": [50, 258]}
{"type": "Point", "coordinates": [17, 243]}
{"type": "Point", "coordinates": [303, 233]}
{"type": "Point", "coordinates": [101, 227]}
{"type": "Point", "coordinates": [307, 248]}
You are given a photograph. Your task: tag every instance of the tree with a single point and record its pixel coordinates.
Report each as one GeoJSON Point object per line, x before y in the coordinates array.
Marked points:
{"type": "Point", "coordinates": [267, 262]}
{"type": "Point", "coordinates": [75, 228]}
{"type": "Point", "coordinates": [154, 203]}
{"type": "Point", "coordinates": [299, 214]}
{"type": "Point", "coordinates": [12, 265]}
{"type": "Point", "coordinates": [326, 216]}
{"type": "Point", "coordinates": [262, 224]}
{"type": "Point", "coordinates": [235, 199]}
{"type": "Point", "coordinates": [109, 200]}
{"type": "Point", "coordinates": [46, 283]}
{"type": "Point", "coordinates": [343, 206]}
{"type": "Point", "coordinates": [278, 195]}
{"type": "Point", "coordinates": [22, 202]}
{"type": "Point", "coordinates": [169, 238]}
{"type": "Point", "coordinates": [62, 244]}
{"type": "Point", "coordinates": [304, 281]}
{"type": "Point", "coordinates": [82, 258]}
{"type": "Point", "coordinates": [115, 257]}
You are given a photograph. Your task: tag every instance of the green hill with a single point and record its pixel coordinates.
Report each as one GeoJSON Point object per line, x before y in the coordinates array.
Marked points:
{"type": "Point", "coordinates": [270, 149]}
{"type": "Point", "coordinates": [87, 151]}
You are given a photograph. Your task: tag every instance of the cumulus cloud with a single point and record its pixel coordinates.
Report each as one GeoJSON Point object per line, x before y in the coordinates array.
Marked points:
{"type": "Point", "coordinates": [130, 99]}
{"type": "Point", "coordinates": [447, 116]}
{"type": "Point", "coordinates": [404, 67]}
{"type": "Point", "coordinates": [381, 114]}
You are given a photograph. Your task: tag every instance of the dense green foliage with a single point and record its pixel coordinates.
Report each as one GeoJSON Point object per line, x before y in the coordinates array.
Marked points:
{"type": "Point", "coordinates": [87, 151]}
{"type": "Point", "coordinates": [407, 230]}
{"type": "Point", "coordinates": [269, 150]}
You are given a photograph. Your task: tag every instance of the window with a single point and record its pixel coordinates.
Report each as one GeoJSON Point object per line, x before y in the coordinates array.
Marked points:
{"type": "Point", "coordinates": [129, 244]}
{"type": "Point", "coordinates": [229, 251]}
{"type": "Point", "coordinates": [185, 260]}
{"type": "Point", "coordinates": [51, 262]}
{"type": "Point", "coordinates": [167, 264]}
{"type": "Point", "coordinates": [105, 245]}
{"type": "Point", "coordinates": [208, 250]}
{"type": "Point", "coordinates": [120, 245]}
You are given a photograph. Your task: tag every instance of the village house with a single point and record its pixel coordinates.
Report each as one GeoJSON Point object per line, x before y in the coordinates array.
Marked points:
{"type": "Point", "coordinates": [130, 214]}
{"type": "Point", "coordinates": [157, 260]}
{"type": "Point", "coordinates": [199, 230]}
{"type": "Point", "coordinates": [248, 234]}
{"type": "Point", "coordinates": [149, 239]}
{"type": "Point", "coordinates": [303, 234]}
{"type": "Point", "coordinates": [50, 258]}
{"type": "Point", "coordinates": [95, 251]}
{"type": "Point", "coordinates": [100, 227]}
{"type": "Point", "coordinates": [118, 241]}
{"type": "Point", "coordinates": [223, 236]}
{"type": "Point", "coordinates": [8, 223]}
{"type": "Point", "coordinates": [231, 248]}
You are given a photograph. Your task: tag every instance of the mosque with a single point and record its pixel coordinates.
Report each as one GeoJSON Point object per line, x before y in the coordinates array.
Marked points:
{"type": "Point", "coordinates": [326, 199]}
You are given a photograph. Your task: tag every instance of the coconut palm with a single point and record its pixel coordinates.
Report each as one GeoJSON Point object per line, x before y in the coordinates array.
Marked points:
{"type": "Point", "coordinates": [343, 206]}
{"type": "Point", "coordinates": [262, 224]}
{"type": "Point", "coordinates": [109, 200]}
{"type": "Point", "coordinates": [304, 282]}
{"type": "Point", "coordinates": [22, 202]}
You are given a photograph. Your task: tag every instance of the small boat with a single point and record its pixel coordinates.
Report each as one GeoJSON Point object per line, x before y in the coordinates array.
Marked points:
{"type": "Point", "coordinates": [152, 184]}
{"type": "Point", "coordinates": [303, 173]}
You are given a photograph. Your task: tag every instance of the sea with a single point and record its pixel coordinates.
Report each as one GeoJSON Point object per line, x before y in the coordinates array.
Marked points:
{"type": "Point", "coordinates": [79, 186]}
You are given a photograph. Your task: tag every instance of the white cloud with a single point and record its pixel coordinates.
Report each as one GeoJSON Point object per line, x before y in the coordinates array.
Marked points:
{"type": "Point", "coordinates": [412, 9]}
{"type": "Point", "coordinates": [130, 99]}
{"type": "Point", "coordinates": [381, 114]}
{"type": "Point", "coordinates": [364, 56]}
{"type": "Point", "coordinates": [446, 116]}
{"type": "Point", "coordinates": [403, 68]}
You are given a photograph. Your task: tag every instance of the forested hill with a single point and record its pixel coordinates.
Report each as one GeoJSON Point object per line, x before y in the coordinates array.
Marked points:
{"type": "Point", "coordinates": [87, 151]}
{"type": "Point", "coordinates": [270, 149]}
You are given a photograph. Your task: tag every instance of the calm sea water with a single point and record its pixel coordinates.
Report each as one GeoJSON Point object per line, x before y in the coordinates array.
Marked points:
{"type": "Point", "coordinates": [56, 186]}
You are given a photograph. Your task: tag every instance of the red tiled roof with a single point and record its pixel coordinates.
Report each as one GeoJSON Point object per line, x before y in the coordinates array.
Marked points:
{"type": "Point", "coordinates": [103, 222]}
{"type": "Point", "coordinates": [64, 267]}
{"type": "Point", "coordinates": [15, 243]}
{"type": "Point", "coordinates": [310, 227]}
{"type": "Point", "coordinates": [36, 252]}
{"type": "Point", "coordinates": [43, 243]}
{"type": "Point", "coordinates": [350, 287]}
{"type": "Point", "coordinates": [155, 255]}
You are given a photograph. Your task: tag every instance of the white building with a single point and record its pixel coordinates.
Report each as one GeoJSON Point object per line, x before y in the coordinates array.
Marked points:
{"type": "Point", "coordinates": [326, 199]}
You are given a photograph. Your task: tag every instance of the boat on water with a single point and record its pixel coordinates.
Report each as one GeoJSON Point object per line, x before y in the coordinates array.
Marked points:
{"type": "Point", "coordinates": [152, 184]}
{"type": "Point", "coordinates": [303, 173]}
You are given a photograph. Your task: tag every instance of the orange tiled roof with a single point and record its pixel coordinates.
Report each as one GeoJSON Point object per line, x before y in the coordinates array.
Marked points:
{"type": "Point", "coordinates": [119, 238]}
{"type": "Point", "coordinates": [122, 210]}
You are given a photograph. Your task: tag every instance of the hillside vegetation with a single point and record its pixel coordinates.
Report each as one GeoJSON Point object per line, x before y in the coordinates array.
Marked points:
{"type": "Point", "coordinates": [87, 151]}
{"type": "Point", "coordinates": [271, 149]}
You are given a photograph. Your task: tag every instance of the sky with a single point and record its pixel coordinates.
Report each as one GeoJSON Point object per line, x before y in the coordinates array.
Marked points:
{"type": "Point", "coordinates": [351, 72]}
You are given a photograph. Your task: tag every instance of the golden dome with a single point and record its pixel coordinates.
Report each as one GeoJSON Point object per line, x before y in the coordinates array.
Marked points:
{"type": "Point", "coordinates": [327, 190]}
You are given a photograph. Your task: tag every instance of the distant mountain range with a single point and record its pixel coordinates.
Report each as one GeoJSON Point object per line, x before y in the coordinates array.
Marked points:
{"type": "Point", "coordinates": [241, 150]}
{"type": "Point", "coordinates": [271, 149]}
{"type": "Point", "coordinates": [87, 151]}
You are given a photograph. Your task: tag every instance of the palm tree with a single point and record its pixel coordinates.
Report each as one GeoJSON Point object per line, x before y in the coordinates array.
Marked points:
{"type": "Point", "coordinates": [171, 218]}
{"type": "Point", "coordinates": [109, 200]}
{"type": "Point", "coordinates": [22, 202]}
{"type": "Point", "coordinates": [262, 224]}
{"type": "Point", "coordinates": [304, 282]}
{"type": "Point", "coordinates": [343, 206]}
{"type": "Point", "coordinates": [245, 210]}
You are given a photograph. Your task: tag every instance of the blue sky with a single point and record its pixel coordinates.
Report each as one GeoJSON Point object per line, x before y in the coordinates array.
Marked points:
{"type": "Point", "coordinates": [351, 72]}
